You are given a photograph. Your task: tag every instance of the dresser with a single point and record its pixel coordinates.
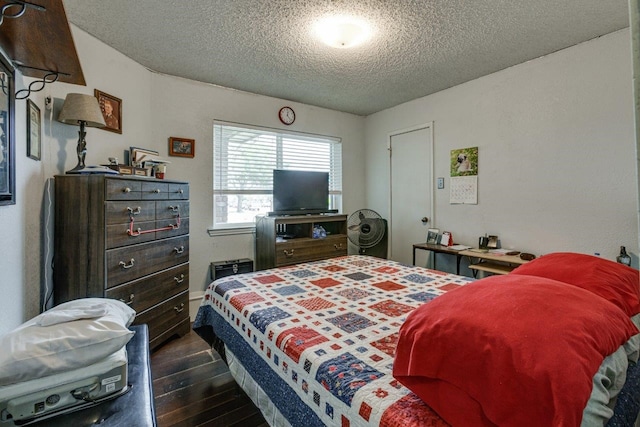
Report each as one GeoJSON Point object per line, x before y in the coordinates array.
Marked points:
{"type": "Point", "coordinates": [287, 240]}
{"type": "Point", "coordinates": [125, 238]}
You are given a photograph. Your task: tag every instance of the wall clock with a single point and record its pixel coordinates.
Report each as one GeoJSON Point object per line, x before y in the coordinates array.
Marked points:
{"type": "Point", "coordinates": [287, 115]}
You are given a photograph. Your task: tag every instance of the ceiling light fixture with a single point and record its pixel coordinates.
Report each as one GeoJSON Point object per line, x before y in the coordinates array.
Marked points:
{"type": "Point", "coordinates": [342, 31]}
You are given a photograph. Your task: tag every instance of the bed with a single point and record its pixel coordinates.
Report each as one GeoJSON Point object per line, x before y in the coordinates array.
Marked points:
{"type": "Point", "coordinates": [339, 342]}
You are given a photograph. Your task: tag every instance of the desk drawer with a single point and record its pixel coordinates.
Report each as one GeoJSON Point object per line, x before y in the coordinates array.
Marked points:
{"type": "Point", "coordinates": [132, 262]}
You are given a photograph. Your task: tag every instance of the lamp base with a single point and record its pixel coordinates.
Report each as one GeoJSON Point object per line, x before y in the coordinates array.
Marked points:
{"type": "Point", "coordinates": [92, 169]}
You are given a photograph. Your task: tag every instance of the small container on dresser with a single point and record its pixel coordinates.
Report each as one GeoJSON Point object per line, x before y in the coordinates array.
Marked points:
{"type": "Point", "coordinates": [125, 238]}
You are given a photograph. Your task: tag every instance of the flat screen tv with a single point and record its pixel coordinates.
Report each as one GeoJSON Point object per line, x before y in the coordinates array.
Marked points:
{"type": "Point", "coordinates": [300, 192]}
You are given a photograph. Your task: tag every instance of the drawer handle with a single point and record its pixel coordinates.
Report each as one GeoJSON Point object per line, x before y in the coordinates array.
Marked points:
{"type": "Point", "coordinates": [181, 191]}
{"type": "Point", "coordinates": [126, 190]}
{"type": "Point", "coordinates": [125, 265]}
{"type": "Point", "coordinates": [174, 226]}
{"type": "Point", "coordinates": [287, 253]}
{"type": "Point", "coordinates": [135, 211]}
{"type": "Point", "coordinates": [131, 297]}
{"type": "Point", "coordinates": [338, 247]}
{"type": "Point", "coordinates": [157, 191]}
{"type": "Point", "coordinates": [175, 209]}
{"type": "Point", "coordinates": [179, 250]}
{"type": "Point", "coordinates": [179, 310]}
{"type": "Point", "coordinates": [135, 233]}
{"type": "Point", "coordinates": [179, 280]}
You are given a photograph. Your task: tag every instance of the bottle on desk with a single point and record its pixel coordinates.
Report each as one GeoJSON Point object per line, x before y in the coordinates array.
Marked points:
{"type": "Point", "coordinates": [624, 257]}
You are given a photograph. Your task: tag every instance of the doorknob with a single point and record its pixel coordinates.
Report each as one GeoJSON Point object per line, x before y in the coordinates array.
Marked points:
{"type": "Point", "coordinates": [424, 220]}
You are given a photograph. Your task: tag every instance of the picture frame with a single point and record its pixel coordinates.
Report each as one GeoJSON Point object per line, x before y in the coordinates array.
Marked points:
{"type": "Point", "coordinates": [34, 131]}
{"type": "Point", "coordinates": [111, 108]}
{"type": "Point", "coordinates": [138, 156]}
{"type": "Point", "coordinates": [432, 236]}
{"type": "Point", "coordinates": [7, 134]}
{"type": "Point", "coordinates": [182, 147]}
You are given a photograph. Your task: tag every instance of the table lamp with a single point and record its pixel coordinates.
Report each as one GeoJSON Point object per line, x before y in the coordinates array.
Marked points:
{"type": "Point", "coordinates": [81, 110]}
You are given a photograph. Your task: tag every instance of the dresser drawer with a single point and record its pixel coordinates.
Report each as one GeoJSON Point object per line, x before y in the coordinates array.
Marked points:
{"type": "Point", "coordinates": [121, 212]}
{"type": "Point", "coordinates": [171, 209]}
{"type": "Point", "coordinates": [161, 317]}
{"type": "Point", "coordinates": [144, 293]}
{"type": "Point", "coordinates": [175, 231]}
{"type": "Point", "coordinates": [155, 190]}
{"type": "Point", "coordinates": [132, 262]}
{"type": "Point", "coordinates": [117, 234]}
{"type": "Point", "coordinates": [178, 191]}
{"type": "Point", "coordinates": [296, 251]}
{"type": "Point", "coordinates": [123, 189]}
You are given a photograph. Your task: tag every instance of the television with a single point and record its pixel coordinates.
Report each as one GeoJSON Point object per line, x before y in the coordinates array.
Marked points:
{"type": "Point", "coordinates": [300, 192]}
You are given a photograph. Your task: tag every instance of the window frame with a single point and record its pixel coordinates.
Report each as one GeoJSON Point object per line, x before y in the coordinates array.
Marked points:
{"type": "Point", "coordinates": [335, 166]}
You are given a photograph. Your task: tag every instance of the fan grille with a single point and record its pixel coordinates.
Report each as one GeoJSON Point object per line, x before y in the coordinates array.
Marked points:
{"type": "Point", "coordinates": [365, 228]}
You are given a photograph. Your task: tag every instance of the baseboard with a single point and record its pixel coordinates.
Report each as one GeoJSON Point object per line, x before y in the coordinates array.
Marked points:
{"type": "Point", "coordinates": [194, 303]}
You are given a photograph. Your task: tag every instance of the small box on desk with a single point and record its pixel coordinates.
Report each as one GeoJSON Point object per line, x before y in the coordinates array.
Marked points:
{"type": "Point", "coordinates": [228, 268]}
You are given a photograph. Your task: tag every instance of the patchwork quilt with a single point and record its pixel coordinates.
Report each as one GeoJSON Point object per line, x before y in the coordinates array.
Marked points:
{"type": "Point", "coordinates": [320, 337]}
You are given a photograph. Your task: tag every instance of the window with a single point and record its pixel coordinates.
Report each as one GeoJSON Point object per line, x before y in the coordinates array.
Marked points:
{"type": "Point", "coordinates": [244, 158]}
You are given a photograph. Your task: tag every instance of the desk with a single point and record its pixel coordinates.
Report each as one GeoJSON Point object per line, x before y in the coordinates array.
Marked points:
{"type": "Point", "coordinates": [438, 249]}
{"type": "Point", "coordinates": [492, 263]}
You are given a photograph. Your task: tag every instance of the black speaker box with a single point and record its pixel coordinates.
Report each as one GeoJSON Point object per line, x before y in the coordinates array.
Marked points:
{"type": "Point", "coordinates": [228, 268]}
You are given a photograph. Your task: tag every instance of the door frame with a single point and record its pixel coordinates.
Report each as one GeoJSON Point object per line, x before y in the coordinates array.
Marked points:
{"type": "Point", "coordinates": [432, 221]}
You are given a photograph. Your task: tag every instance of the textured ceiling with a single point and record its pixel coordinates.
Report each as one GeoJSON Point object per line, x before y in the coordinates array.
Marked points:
{"type": "Point", "coordinates": [266, 46]}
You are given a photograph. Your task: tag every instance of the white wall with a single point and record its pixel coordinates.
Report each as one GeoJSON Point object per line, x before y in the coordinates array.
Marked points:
{"type": "Point", "coordinates": [557, 159]}
{"type": "Point", "coordinates": [556, 151]}
{"type": "Point", "coordinates": [155, 107]}
{"type": "Point", "coordinates": [184, 108]}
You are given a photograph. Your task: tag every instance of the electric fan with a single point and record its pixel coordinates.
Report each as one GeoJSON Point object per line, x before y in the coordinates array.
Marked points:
{"type": "Point", "coordinates": [368, 231]}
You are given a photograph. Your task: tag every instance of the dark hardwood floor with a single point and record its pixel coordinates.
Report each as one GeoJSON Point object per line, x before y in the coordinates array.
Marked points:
{"type": "Point", "coordinates": [193, 387]}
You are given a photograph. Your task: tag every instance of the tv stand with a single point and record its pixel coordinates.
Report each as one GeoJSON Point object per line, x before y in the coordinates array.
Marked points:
{"type": "Point", "coordinates": [285, 240]}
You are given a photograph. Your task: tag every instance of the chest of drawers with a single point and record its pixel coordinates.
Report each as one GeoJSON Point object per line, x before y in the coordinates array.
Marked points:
{"type": "Point", "coordinates": [125, 238]}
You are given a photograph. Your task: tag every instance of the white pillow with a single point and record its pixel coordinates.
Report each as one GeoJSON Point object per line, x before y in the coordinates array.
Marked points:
{"type": "Point", "coordinates": [34, 351]}
{"type": "Point", "coordinates": [87, 308]}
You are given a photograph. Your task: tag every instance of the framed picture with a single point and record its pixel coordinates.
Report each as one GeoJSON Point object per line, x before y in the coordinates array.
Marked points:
{"type": "Point", "coordinates": [182, 147]}
{"type": "Point", "coordinates": [34, 131]}
{"type": "Point", "coordinates": [7, 137]}
{"type": "Point", "coordinates": [111, 108]}
{"type": "Point", "coordinates": [432, 236]}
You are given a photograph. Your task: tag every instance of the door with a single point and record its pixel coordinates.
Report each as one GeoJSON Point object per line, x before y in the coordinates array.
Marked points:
{"type": "Point", "coordinates": [411, 157]}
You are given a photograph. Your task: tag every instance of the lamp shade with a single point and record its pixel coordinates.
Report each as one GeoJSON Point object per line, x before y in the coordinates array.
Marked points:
{"type": "Point", "coordinates": [79, 107]}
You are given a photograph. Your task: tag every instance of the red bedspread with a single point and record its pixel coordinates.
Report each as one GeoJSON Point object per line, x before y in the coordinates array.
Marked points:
{"type": "Point", "coordinates": [509, 351]}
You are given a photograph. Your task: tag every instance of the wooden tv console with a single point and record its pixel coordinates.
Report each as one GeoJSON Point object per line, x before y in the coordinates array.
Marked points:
{"type": "Point", "coordinates": [287, 240]}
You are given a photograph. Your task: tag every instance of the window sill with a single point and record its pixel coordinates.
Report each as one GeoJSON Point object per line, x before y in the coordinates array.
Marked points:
{"type": "Point", "coordinates": [231, 231]}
